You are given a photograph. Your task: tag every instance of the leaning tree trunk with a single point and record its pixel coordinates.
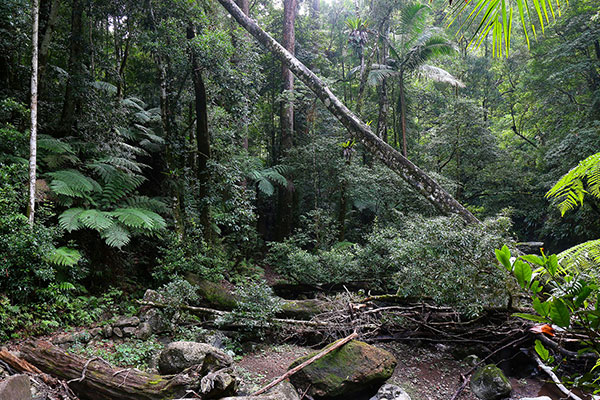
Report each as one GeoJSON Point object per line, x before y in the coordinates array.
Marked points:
{"type": "Point", "coordinates": [412, 174]}
{"type": "Point", "coordinates": [35, 12]}
{"type": "Point", "coordinates": [95, 379]}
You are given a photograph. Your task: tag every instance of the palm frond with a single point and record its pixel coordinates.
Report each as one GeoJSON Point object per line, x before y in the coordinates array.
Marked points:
{"type": "Point", "coordinates": [570, 190]}
{"type": "Point", "coordinates": [497, 17]}
{"type": "Point", "coordinates": [380, 72]}
{"type": "Point", "coordinates": [439, 75]}
{"type": "Point", "coordinates": [105, 86]}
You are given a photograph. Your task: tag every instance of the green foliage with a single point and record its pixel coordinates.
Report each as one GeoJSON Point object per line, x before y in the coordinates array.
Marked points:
{"type": "Point", "coordinates": [265, 178]}
{"type": "Point", "coordinates": [132, 353]}
{"type": "Point", "coordinates": [569, 191]}
{"type": "Point", "coordinates": [255, 308]}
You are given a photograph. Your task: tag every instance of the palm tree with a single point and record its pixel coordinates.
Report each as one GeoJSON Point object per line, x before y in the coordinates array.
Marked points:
{"type": "Point", "coordinates": [417, 45]}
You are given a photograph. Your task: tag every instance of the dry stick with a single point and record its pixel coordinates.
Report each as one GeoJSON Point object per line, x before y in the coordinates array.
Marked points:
{"type": "Point", "coordinates": [307, 362]}
{"type": "Point", "coordinates": [553, 376]}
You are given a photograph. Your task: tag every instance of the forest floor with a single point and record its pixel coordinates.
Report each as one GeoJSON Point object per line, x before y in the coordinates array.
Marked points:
{"type": "Point", "coordinates": [424, 372]}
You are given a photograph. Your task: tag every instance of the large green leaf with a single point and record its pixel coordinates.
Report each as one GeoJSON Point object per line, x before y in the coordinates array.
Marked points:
{"type": "Point", "coordinates": [559, 313]}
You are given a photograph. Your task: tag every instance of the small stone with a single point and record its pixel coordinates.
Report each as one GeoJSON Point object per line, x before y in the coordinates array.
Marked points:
{"type": "Point", "coordinates": [391, 392]}
{"type": "Point", "coordinates": [157, 321]}
{"type": "Point", "coordinates": [118, 332]}
{"type": "Point", "coordinates": [127, 321]}
{"type": "Point", "coordinates": [64, 338]}
{"type": "Point", "coordinates": [129, 331]}
{"type": "Point", "coordinates": [107, 331]}
{"type": "Point", "coordinates": [96, 332]}
{"type": "Point", "coordinates": [153, 296]}
{"type": "Point", "coordinates": [143, 331]}
{"type": "Point", "coordinates": [489, 383]}
{"type": "Point", "coordinates": [15, 387]}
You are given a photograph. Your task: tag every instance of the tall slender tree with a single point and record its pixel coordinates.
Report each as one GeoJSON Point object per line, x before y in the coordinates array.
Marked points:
{"type": "Point", "coordinates": [286, 196]}
{"type": "Point", "coordinates": [35, 12]}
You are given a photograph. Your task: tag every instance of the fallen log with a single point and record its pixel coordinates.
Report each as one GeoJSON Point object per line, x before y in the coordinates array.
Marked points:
{"type": "Point", "coordinates": [95, 379]}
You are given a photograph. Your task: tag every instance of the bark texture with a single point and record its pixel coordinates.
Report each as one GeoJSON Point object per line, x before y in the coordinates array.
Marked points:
{"type": "Point", "coordinates": [94, 379]}
{"type": "Point", "coordinates": [412, 174]}
{"type": "Point", "coordinates": [35, 12]}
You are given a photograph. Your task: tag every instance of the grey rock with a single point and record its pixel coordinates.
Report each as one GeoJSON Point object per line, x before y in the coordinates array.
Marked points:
{"type": "Point", "coordinates": [128, 331]}
{"type": "Point", "coordinates": [538, 398]}
{"type": "Point", "coordinates": [143, 331]}
{"type": "Point", "coordinates": [218, 384]}
{"type": "Point", "coordinates": [178, 356]}
{"type": "Point", "coordinates": [15, 387]}
{"type": "Point", "coordinates": [96, 332]}
{"type": "Point", "coordinates": [391, 392]}
{"type": "Point", "coordinates": [283, 391]}
{"type": "Point", "coordinates": [472, 360]}
{"type": "Point", "coordinates": [107, 331]}
{"type": "Point", "coordinates": [127, 321]}
{"type": "Point", "coordinates": [489, 383]}
{"type": "Point", "coordinates": [157, 321]}
{"type": "Point", "coordinates": [64, 338]}
{"type": "Point", "coordinates": [153, 296]}
{"type": "Point", "coordinates": [118, 332]}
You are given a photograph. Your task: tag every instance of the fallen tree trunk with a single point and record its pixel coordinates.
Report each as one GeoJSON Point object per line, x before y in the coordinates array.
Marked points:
{"type": "Point", "coordinates": [95, 379]}
{"type": "Point", "coordinates": [412, 174]}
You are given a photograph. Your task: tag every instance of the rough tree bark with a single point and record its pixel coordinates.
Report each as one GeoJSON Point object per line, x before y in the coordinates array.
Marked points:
{"type": "Point", "coordinates": [202, 136]}
{"type": "Point", "coordinates": [94, 379]}
{"type": "Point", "coordinates": [286, 196]}
{"type": "Point", "coordinates": [35, 12]}
{"type": "Point", "coordinates": [412, 174]}
{"type": "Point", "coordinates": [72, 99]}
{"type": "Point", "coordinates": [47, 38]}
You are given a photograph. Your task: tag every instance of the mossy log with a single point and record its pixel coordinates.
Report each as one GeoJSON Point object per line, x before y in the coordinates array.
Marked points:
{"type": "Point", "coordinates": [95, 379]}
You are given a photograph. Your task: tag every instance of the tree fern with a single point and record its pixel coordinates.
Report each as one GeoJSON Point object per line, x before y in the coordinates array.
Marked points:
{"type": "Point", "coordinates": [266, 177]}
{"type": "Point", "coordinates": [73, 183]}
{"type": "Point", "coordinates": [95, 219]}
{"type": "Point", "coordinates": [140, 219]}
{"type": "Point", "coordinates": [69, 219]}
{"type": "Point", "coordinates": [64, 256]}
{"type": "Point", "coordinates": [569, 192]}
{"type": "Point", "coordinates": [116, 235]}
{"type": "Point", "coordinates": [584, 257]}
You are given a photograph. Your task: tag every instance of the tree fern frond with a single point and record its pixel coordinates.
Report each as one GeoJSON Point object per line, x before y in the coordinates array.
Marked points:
{"type": "Point", "coordinates": [151, 203]}
{"type": "Point", "coordinates": [96, 219]}
{"type": "Point", "coordinates": [266, 187]}
{"type": "Point", "coordinates": [54, 145]}
{"type": "Point", "coordinates": [584, 257]}
{"type": "Point", "coordinates": [124, 164]}
{"type": "Point", "coordinates": [380, 72]}
{"type": "Point", "coordinates": [107, 87]}
{"type": "Point", "coordinates": [568, 193]}
{"type": "Point", "coordinates": [119, 186]}
{"type": "Point", "coordinates": [64, 256]}
{"type": "Point", "coordinates": [139, 218]}
{"type": "Point", "coordinates": [72, 183]}
{"type": "Point", "coordinates": [116, 235]}
{"type": "Point", "coordinates": [69, 219]}
{"type": "Point", "coordinates": [129, 102]}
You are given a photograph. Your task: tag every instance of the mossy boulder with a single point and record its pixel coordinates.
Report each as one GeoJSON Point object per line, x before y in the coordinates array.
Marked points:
{"type": "Point", "coordinates": [348, 369]}
{"type": "Point", "coordinates": [489, 383]}
{"type": "Point", "coordinates": [302, 309]}
{"type": "Point", "coordinates": [214, 294]}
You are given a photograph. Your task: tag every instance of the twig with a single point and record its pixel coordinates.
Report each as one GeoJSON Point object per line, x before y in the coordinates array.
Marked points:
{"type": "Point", "coordinates": [553, 376]}
{"type": "Point", "coordinates": [307, 362]}
{"type": "Point", "coordinates": [85, 367]}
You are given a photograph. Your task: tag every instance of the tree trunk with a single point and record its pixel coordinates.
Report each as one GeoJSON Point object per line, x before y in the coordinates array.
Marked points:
{"type": "Point", "coordinates": [72, 99]}
{"type": "Point", "coordinates": [414, 176]}
{"type": "Point", "coordinates": [202, 138]}
{"type": "Point", "coordinates": [35, 12]}
{"type": "Point", "coordinates": [244, 5]}
{"type": "Point", "coordinates": [285, 194]}
{"type": "Point", "coordinates": [94, 379]}
{"type": "Point", "coordinates": [45, 45]}
{"type": "Point", "coordinates": [402, 101]}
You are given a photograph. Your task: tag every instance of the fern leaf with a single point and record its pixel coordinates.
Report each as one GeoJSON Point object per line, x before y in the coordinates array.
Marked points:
{"type": "Point", "coordinates": [266, 187]}
{"type": "Point", "coordinates": [96, 219]}
{"type": "Point", "coordinates": [69, 219]}
{"type": "Point", "coordinates": [150, 203]}
{"type": "Point", "coordinates": [584, 257]}
{"type": "Point", "coordinates": [139, 218]}
{"type": "Point", "coordinates": [570, 190]}
{"type": "Point", "coordinates": [54, 145]}
{"type": "Point", "coordinates": [72, 183]}
{"type": "Point", "coordinates": [64, 256]}
{"type": "Point", "coordinates": [107, 87]}
{"type": "Point", "coordinates": [116, 236]}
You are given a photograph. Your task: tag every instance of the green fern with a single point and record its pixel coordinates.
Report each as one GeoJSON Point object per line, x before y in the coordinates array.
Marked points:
{"type": "Point", "coordinates": [266, 177]}
{"type": "Point", "coordinates": [73, 183]}
{"type": "Point", "coordinates": [69, 219]}
{"type": "Point", "coordinates": [64, 256]}
{"type": "Point", "coordinates": [569, 192]}
{"type": "Point", "coordinates": [141, 219]}
{"type": "Point", "coordinates": [95, 219]}
{"type": "Point", "coordinates": [116, 235]}
{"type": "Point", "coordinates": [584, 257]}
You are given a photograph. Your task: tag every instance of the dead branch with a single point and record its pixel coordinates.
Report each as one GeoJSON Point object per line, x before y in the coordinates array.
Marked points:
{"type": "Point", "coordinates": [553, 376]}
{"type": "Point", "coordinates": [321, 354]}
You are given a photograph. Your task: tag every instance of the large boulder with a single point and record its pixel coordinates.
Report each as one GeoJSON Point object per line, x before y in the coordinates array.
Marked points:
{"type": "Point", "coordinates": [489, 383]}
{"type": "Point", "coordinates": [218, 384]}
{"type": "Point", "coordinates": [178, 356]}
{"type": "Point", "coordinates": [348, 369]}
{"type": "Point", "coordinates": [15, 387]}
